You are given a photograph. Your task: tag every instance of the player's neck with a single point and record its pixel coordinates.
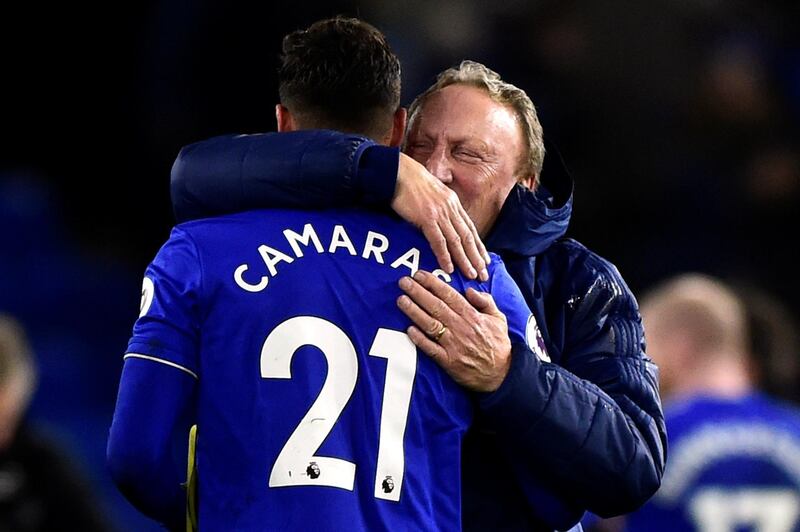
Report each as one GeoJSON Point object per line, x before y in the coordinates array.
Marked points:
{"type": "Point", "coordinates": [725, 378]}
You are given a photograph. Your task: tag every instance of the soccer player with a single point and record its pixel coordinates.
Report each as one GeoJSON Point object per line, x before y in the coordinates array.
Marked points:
{"type": "Point", "coordinates": [277, 333]}
{"type": "Point", "coordinates": [734, 451]}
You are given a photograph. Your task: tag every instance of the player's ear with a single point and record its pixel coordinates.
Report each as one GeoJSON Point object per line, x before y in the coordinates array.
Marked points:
{"type": "Point", "coordinates": [284, 118]}
{"type": "Point", "coordinates": [398, 127]}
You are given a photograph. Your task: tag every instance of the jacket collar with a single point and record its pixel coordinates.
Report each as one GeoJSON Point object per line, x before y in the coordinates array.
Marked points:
{"type": "Point", "coordinates": [529, 221]}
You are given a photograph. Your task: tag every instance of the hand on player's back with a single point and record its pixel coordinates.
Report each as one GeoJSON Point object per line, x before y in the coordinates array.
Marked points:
{"type": "Point", "coordinates": [474, 346]}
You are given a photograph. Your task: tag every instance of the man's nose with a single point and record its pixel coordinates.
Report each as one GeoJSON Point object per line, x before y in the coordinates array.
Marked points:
{"type": "Point", "coordinates": [440, 165]}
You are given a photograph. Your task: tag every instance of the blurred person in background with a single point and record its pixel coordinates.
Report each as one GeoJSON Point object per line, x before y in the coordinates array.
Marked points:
{"type": "Point", "coordinates": [734, 451]}
{"type": "Point", "coordinates": [39, 488]}
{"type": "Point", "coordinates": [583, 418]}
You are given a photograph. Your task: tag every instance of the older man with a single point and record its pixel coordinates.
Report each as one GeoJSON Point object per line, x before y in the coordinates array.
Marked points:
{"type": "Point", "coordinates": [583, 418]}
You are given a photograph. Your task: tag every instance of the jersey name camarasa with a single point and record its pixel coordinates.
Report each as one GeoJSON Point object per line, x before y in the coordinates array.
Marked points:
{"type": "Point", "coordinates": [314, 411]}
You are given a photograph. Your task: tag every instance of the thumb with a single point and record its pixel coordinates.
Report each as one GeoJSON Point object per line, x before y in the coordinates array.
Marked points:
{"type": "Point", "coordinates": [482, 301]}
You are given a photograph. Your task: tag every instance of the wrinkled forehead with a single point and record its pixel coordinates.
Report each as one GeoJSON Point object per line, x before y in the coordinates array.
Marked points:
{"type": "Point", "coordinates": [463, 111]}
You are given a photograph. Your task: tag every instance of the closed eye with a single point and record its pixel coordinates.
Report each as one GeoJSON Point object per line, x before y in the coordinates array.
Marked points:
{"type": "Point", "coordinates": [419, 148]}
{"type": "Point", "coordinates": [465, 153]}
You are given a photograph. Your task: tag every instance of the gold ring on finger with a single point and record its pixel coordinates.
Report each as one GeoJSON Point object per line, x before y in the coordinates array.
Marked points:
{"type": "Point", "coordinates": [438, 335]}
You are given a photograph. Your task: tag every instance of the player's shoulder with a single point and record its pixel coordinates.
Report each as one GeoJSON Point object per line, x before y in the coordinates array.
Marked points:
{"type": "Point", "coordinates": [200, 225]}
{"type": "Point", "coordinates": [496, 264]}
{"type": "Point", "coordinates": [780, 411]}
{"type": "Point", "coordinates": [362, 233]}
{"type": "Point", "coordinates": [252, 222]}
{"type": "Point", "coordinates": [687, 414]}
{"type": "Point", "coordinates": [270, 216]}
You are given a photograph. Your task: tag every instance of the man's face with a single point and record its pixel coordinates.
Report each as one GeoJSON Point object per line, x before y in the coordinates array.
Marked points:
{"type": "Point", "coordinates": [473, 144]}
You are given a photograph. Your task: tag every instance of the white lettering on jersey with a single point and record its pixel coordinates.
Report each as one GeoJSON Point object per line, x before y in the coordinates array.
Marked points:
{"type": "Point", "coordinates": [272, 257]}
{"type": "Point", "coordinates": [237, 277]}
{"type": "Point", "coordinates": [441, 274]}
{"type": "Point", "coordinates": [409, 259]}
{"type": "Point", "coordinates": [309, 234]}
{"type": "Point", "coordinates": [341, 240]}
{"type": "Point", "coordinates": [371, 248]}
{"type": "Point", "coordinates": [375, 246]}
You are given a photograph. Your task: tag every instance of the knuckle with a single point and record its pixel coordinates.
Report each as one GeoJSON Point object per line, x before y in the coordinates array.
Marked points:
{"type": "Point", "coordinates": [410, 289]}
{"type": "Point", "coordinates": [429, 227]}
{"type": "Point", "coordinates": [451, 297]}
{"type": "Point", "coordinates": [473, 316]}
{"type": "Point", "coordinates": [439, 240]}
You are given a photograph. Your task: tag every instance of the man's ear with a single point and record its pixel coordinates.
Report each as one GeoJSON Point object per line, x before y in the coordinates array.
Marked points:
{"type": "Point", "coordinates": [398, 127]}
{"type": "Point", "coordinates": [530, 181]}
{"type": "Point", "coordinates": [284, 118]}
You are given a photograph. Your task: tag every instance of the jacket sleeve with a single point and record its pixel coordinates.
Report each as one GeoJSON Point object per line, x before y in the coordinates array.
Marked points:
{"type": "Point", "coordinates": [301, 169]}
{"type": "Point", "coordinates": [591, 426]}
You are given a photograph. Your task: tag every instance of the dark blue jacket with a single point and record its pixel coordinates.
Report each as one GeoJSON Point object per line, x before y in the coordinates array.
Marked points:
{"type": "Point", "coordinates": [585, 432]}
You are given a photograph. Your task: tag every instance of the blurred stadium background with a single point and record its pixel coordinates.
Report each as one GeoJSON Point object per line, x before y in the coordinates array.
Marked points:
{"type": "Point", "coordinates": [679, 120]}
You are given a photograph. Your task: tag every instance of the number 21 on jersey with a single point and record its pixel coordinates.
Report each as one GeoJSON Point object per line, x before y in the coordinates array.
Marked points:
{"type": "Point", "coordinates": [297, 465]}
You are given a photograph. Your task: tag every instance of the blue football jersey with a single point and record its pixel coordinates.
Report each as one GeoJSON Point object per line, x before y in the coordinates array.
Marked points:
{"type": "Point", "coordinates": [734, 466]}
{"type": "Point", "coordinates": [314, 409]}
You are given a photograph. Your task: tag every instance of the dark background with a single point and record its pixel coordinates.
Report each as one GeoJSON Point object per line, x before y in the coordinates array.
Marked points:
{"type": "Point", "coordinates": [678, 120]}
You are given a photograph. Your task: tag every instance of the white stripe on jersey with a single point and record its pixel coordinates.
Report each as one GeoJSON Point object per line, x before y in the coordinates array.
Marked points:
{"type": "Point", "coordinates": [167, 362]}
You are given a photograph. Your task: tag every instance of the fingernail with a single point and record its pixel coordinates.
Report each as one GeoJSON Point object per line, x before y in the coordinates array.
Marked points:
{"type": "Point", "coordinates": [488, 258]}
{"type": "Point", "coordinates": [472, 273]}
{"type": "Point", "coordinates": [484, 275]}
{"type": "Point", "coordinates": [405, 282]}
{"type": "Point", "coordinates": [402, 301]}
{"type": "Point", "coordinates": [419, 275]}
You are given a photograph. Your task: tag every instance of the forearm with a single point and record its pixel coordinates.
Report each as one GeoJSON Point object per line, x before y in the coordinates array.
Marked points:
{"type": "Point", "coordinates": [141, 453]}
{"type": "Point", "coordinates": [576, 436]}
{"type": "Point", "coordinates": [317, 169]}
{"type": "Point", "coordinates": [303, 169]}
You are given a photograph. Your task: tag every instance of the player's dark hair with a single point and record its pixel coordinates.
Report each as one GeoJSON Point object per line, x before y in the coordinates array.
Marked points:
{"type": "Point", "coordinates": [340, 74]}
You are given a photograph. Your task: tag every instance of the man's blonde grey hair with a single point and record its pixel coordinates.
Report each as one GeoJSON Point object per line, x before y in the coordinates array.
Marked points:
{"type": "Point", "coordinates": [477, 75]}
